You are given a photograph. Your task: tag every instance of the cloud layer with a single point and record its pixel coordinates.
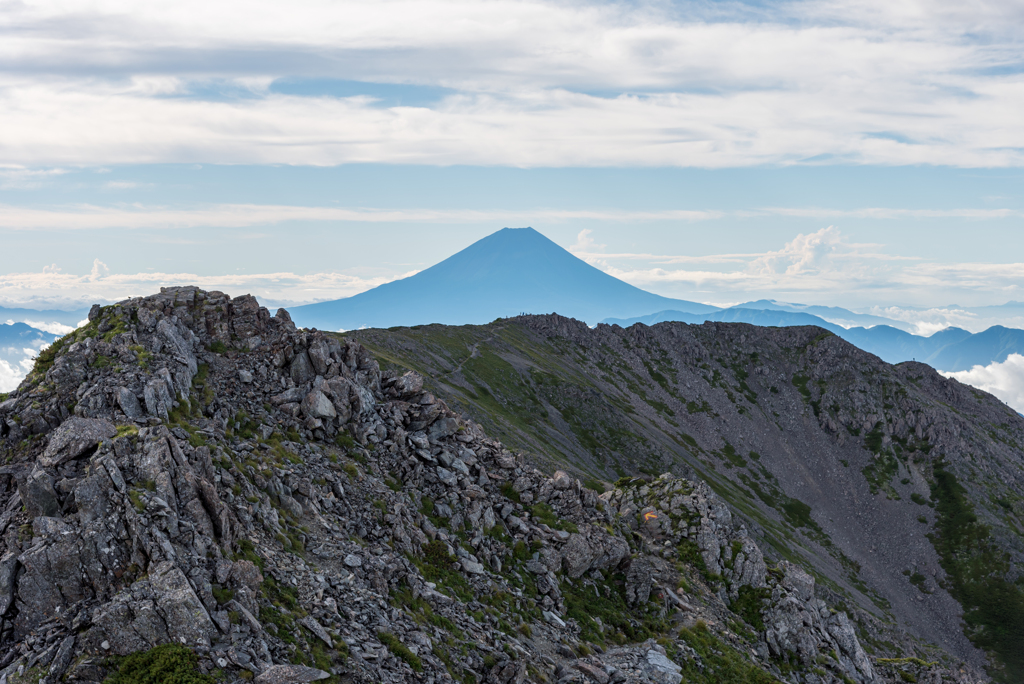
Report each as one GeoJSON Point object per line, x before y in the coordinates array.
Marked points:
{"type": "Point", "coordinates": [53, 287]}
{"type": "Point", "coordinates": [522, 83]}
{"type": "Point", "coordinates": [1005, 380]}
{"type": "Point", "coordinates": [821, 267]}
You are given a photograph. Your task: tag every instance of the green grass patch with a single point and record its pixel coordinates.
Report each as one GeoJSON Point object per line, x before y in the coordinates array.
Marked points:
{"type": "Point", "coordinates": [722, 664]}
{"type": "Point", "coordinates": [509, 492]}
{"type": "Point", "coordinates": [247, 551]}
{"type": "Point", "coordinates": [164, 664]}
{"type": "Point", "coordinates": [542, 513]}
{"type": "Point", "coordinates": [344, 440]}
{"type": "Point", "coordinates": [400, 650]}
{"type": "Point", "coordinates": [879, 474]}
{"type": "Point", "coordinates": [732, 458]}
{"type": "Point", "coordinates": [976, 572]}
{"type": "Point", "coordinates": [749, 605]}
{"type": "Point", "coordinates": [873, 439]}
{"type": "Point", "coordinates": [127, 430]}
{"type": "Point", "coordinates": [436, 566]}
{"type": "Point", "coordinates": [423, 613]}
{"type": "Point", "coordinates": [607, 601]}
{"type": "Point", "coordinates": [222, 594]}
{"type": "Point", "coordinates": [282, 596]}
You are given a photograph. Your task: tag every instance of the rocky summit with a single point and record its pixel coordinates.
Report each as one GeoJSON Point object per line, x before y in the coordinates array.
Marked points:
{"type": "Point", "coordinates": [195, 490]}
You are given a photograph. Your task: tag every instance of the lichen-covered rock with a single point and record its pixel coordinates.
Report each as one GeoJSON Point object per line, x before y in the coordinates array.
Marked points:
{"type": "Point", "coordinates": [159, 608]}
{"type": "Point", "coordinates": [75, 437]}
{"type": "Point", "coordinates": [317, 405]}
{"type": "Point", "coordinates": [593, 551]}
{"type": "Point", "coordinates": [291, 674]}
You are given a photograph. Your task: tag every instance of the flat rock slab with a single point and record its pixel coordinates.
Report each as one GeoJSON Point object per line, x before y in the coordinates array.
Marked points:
{"type": "Point", "coordinates": [595, 673]}
{"type": "Point", "coordinates": [291, 674]}
{"type": "Point", "coordinates": [74, 437]}
{"type": "Point", "coordinates": [661, 669]}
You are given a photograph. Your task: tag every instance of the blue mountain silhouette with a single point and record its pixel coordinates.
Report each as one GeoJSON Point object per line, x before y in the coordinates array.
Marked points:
{"type": "Point", "coordinates": [512, 271]}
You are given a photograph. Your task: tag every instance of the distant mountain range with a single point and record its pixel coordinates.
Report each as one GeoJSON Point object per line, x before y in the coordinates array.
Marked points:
{"type": "Point", "coordinates": [72, 318]}
{"type": "Point", "coordinates": [518, 270]}
{"type": "Point", "coordinates": [832, 314]}
{"type": "Point", "coordinates": [19, 336]}
{"type": "Point", "coordinates": [512, 271]}
{"type": "Point", "coordinates": [952, 349]}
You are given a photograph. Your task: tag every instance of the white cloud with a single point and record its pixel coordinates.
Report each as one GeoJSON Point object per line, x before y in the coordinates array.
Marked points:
{"type": "Point", "coordinates": [125, 185]}
{"type": "Point", "coordinates": [91, 217]}
{"type": "Point", "coordinates": [821, 261]}
{"type": "Point", "coordinates": [10, 376]}
{"type": "Point", "coordinates": [19, 178]}
{"type": "Point", "coordinates": [50, 326]}
{"type": "Point", "coordinates": [825, 267]}
{"type": "Point", "coordinates": [140, 216]}
{"type": "Point", "coordinates": [585, 243]}
{"type": "Point", "coordinates": [99, 270]}
{"type": "Point", "coordinates": [530, 83]}
{"type": "Point", "coordinates": [814, 253]}
{"type": "Point", "coordinates": [1005, 380]}
{"type": "Point", "coordinates": [102, 286]}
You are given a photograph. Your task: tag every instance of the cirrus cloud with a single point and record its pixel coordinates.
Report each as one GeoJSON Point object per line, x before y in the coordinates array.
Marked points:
{"type": "Point", "coordinates": [529, 83]}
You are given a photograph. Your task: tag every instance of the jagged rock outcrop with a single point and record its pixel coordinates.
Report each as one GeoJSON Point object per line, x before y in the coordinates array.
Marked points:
{"type": "Point", "coordinates": [194, 470]}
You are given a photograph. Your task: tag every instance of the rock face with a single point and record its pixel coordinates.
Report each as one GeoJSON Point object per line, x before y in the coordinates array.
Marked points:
{"type": "Point", "coordinates": [824, 453]}
{"type": "Point", "coordinates": [272, 500]}
{"type": "Point", "coordinates": [74, 438]}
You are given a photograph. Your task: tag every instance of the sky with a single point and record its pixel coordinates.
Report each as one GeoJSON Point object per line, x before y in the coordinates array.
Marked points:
{"type": "Point", "coordinates": [857, 153]}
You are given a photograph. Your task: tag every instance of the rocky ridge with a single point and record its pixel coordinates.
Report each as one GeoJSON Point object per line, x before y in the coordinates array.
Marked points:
{"type": "Point", "coordinates": [188, 469]}
{"type": "Point", "coordinates": [870, 476]}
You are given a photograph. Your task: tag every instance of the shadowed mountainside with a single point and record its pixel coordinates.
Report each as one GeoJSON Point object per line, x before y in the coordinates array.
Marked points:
{"type": "Point", "coordinates": [831, 455]}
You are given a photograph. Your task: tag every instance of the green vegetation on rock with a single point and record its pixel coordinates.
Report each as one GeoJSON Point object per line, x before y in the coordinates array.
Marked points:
{"type": "Point", "coordinates": [164, 664]}
{"type": "Point", "coordinates": [976, 572]}
{"type": "Point", "coordinates": [401, 650]}
{"type": "Point", "coordinates": [720, 663]}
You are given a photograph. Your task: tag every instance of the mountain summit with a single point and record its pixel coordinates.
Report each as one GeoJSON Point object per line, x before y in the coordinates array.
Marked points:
{"type": "Point", "coordinates": [509, 272]}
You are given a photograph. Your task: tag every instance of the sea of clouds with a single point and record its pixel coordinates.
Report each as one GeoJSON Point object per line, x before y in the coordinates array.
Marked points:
{"type": "Point", "coordinates": [1002, 379]}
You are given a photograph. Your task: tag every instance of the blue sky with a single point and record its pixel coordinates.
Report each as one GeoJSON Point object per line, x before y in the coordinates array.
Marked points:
{"type": "Point", "coordinates": [859, 153]}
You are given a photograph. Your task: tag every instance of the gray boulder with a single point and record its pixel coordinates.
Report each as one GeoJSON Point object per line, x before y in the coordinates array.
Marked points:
{"type": "Point", "coordinates": [409, 384]}
{"type": "Point", "coordinates": [582, 554]}
{"type": "Point", "coordinates": [561, 480]}
{"type": "Point", "coordinates": [661, 670]}
{"type": "Point", "coordinates": [317, 405]}
{"type": "Point", "coordinates": [129, 403]}
{"type": "Point", "coordinates": [301, 369]}
{"type": "Point", "coordinates": [74, 437]}
{"type": "Point", "coordinates": [160, 608]}
{"type": "Point", "coordinates": [38, 495]}
{"type": "Point", "coordinates": [291, 674]}
{"type": "Point", "coordinates": [320, 357]}
{"type": "Point", "coordinates": [639, 581]}
{"type": "Point", "coordinates": [158, 398]}
{"type": "Point", "coordinates": [8, 572]}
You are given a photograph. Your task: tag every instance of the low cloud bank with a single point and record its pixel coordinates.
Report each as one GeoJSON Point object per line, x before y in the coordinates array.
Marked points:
{"type": "Point", "coordinates": [13, 371]}
{"type": "Point", "coordinates": [1005, 380]}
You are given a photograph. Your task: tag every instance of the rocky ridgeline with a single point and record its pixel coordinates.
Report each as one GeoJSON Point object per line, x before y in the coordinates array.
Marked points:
{"type": "Point", "coordinates": [187, 469]}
